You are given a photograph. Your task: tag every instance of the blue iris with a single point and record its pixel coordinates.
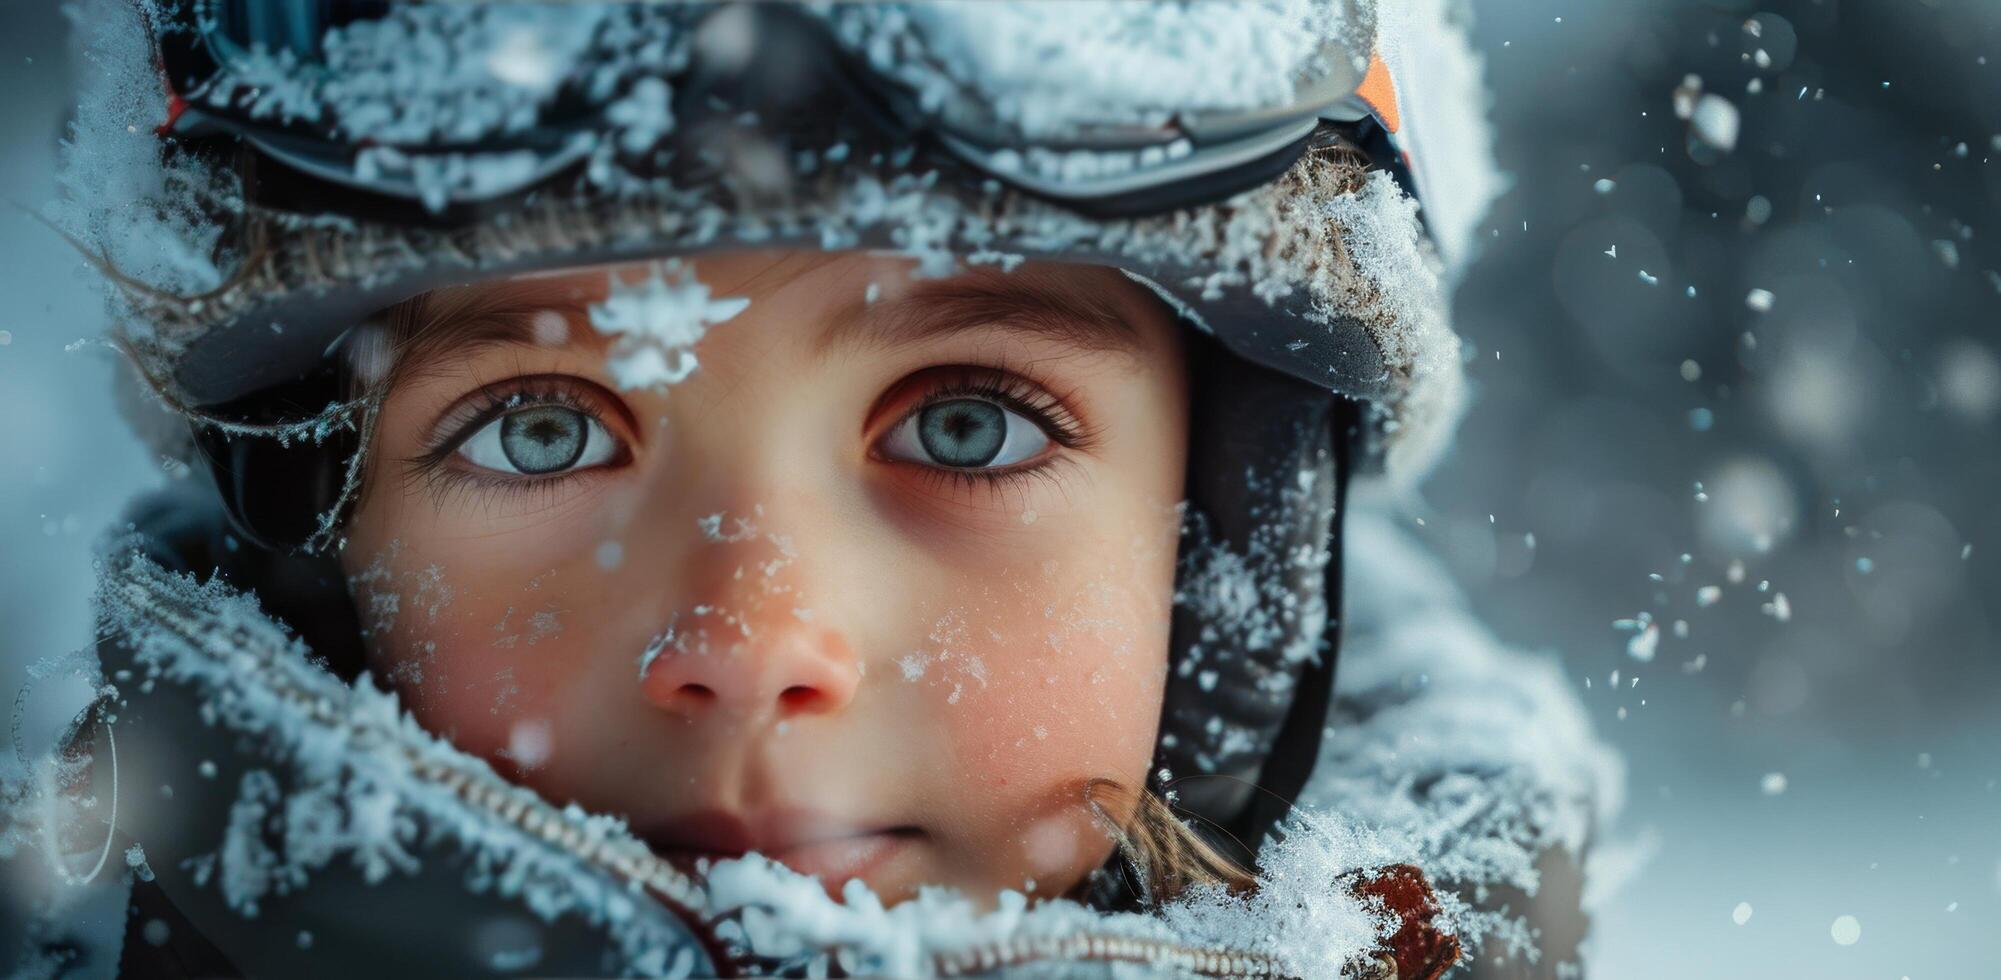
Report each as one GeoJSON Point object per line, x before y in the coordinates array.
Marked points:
{"type": "Point", "coordinates": [963, 432]}
{"type": "Point", "coordinates": [545, 439]}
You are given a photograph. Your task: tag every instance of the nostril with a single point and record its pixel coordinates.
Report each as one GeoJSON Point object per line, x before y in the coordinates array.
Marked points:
{"type": "Point", "coordinates": [699, 693]}
{"type": "Point", "coordinates": [798, 697]}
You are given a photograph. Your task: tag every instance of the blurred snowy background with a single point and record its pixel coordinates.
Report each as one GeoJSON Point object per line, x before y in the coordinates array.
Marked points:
{"type": "Point", "coordinates": [1733, 456]}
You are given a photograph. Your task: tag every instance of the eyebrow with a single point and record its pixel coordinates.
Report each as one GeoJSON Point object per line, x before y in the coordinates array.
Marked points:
{"type": "Point", "coordinates": [428, 327]}
{"type": "Point", "coordinates": [1023, 301]}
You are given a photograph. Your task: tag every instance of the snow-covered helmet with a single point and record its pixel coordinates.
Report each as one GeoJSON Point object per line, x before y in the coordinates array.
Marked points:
{"type": "Point", "coordinates": [267, 176]}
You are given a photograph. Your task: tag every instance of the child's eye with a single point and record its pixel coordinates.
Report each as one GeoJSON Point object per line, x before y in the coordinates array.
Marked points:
{"type": "Point", "coordinates": [965, 433]}
{"type": "Point", "coordinates": [540, 440]}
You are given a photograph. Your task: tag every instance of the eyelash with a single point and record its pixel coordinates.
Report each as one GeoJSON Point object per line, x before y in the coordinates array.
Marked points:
{"type": "Point", "coordinates": [490, 403]}
{"type": "Point", "coordinates": [1049, 412]}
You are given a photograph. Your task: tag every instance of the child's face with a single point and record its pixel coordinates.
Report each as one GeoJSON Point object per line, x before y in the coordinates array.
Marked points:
{"type": "Point", "coordinates": [876, 591]}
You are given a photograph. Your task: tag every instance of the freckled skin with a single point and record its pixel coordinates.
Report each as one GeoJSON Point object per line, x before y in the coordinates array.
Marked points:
{"type": "Point", "coordinates": [1039, 646]}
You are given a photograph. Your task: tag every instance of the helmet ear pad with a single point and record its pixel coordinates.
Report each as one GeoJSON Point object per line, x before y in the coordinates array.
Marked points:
{"type": "Point", "coordinates": [1257, 596]}
{"type": "Point", "coordinates": [274, 490]}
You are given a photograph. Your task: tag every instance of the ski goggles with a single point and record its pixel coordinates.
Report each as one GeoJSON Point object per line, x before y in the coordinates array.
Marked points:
{"type": "Point", "coordinates": [461, 106]}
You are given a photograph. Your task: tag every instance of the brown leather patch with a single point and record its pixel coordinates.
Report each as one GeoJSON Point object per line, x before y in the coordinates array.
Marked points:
{"type": "Point", "coordinates": [1421, 949]}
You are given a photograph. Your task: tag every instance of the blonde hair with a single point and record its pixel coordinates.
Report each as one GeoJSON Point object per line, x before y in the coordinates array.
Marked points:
{"type": "Point", "coordinates": [1168, 856]}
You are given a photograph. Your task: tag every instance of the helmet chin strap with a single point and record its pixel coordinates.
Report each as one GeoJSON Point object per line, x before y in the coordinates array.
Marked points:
{"type": "Point", "coordinates": [1255, 638]}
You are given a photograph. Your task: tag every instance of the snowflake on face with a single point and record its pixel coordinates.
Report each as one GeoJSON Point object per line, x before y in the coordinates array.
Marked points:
{"type": "Point", "coordinates": [656, 323]}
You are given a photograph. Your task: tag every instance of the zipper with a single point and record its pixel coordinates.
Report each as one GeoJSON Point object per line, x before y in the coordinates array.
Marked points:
{"type": "Point", "coordinates": [1201, 961]}
{"type": "Point", "coordinates": [146, 590]}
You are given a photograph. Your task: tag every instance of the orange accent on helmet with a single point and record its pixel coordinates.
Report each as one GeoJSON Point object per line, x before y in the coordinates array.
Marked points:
{"type": "Point", "coordinates": [1380, 93]}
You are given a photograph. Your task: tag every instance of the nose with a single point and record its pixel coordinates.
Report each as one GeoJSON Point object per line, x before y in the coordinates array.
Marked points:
{"type": "Point", "coordinates": [745, 639]}
{"type": "Point", "coordinates": [749, 668]}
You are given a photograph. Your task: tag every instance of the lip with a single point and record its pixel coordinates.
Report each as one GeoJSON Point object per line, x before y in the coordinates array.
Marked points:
{"type": "Point", "coordinates": [833, 849]}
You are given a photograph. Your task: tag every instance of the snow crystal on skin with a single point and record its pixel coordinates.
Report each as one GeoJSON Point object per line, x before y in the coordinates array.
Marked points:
{"type": "Point", "coordinates": [432, 594]}
{"type": "Point", "coordinates": [734, 624]}
{"type": "Point", "coordinates": [374, 584]}
{"type": "Point", "coordinates": [543, 625]}
{"type": "Point", "coordinates": [377, 586]}
{"type": "Point", "coordinates": [653, 650]}
{"type": "Point", "coordinates": [506, 689]}
{"type": "Point", "coordinates": [655, 324]}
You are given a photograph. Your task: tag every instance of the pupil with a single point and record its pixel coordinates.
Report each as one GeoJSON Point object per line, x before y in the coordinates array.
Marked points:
{"type": "Point", "coordinates": [963, 432]}
{"type": "Point", "coordinates": [543, 440]}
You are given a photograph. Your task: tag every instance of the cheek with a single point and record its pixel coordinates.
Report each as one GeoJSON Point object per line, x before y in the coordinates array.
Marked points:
{"type": "Point", "coordinates": [1074, 678]}
{"type": "Point", "coordinates": [482, 648]}
{"type": "Point", "coordinates": [1072, 662]}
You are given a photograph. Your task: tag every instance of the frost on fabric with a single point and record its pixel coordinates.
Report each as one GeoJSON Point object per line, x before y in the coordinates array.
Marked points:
{"type": "Point", "coordinates": [789, 920]}
{"type": "Point", "coordinates": [342, 773]}
{"type": "Point", "coordinates": [1301, 915]}
{"type": "Point", "coordinates": [418, 85]}
{"type": "Point", "coordinates": [1244, 600]}
{"type": "Point", "coordinates": [656, 323]}
{"type": "Point", "coordinates": [788, 917]}
{"type": "Point", "coordinates": [1253, 613]}
{"type": "Point", "coordinates": [1049, 67]}
{"type": "Point", "coordinates": [118, 197]}
{"type": "Point", "coordinates": [441, 177]}
{"type": "Point", "coordinates": [1390, 279]}
{"type": "Point", "coordinates": [1267, 243]}
{"type": "Point", "coordinates": [1480, 756]}
{"type": "Point", "coordinates": [1443, 100]}
{"type": "Point", "coordinates": [424, 74]}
